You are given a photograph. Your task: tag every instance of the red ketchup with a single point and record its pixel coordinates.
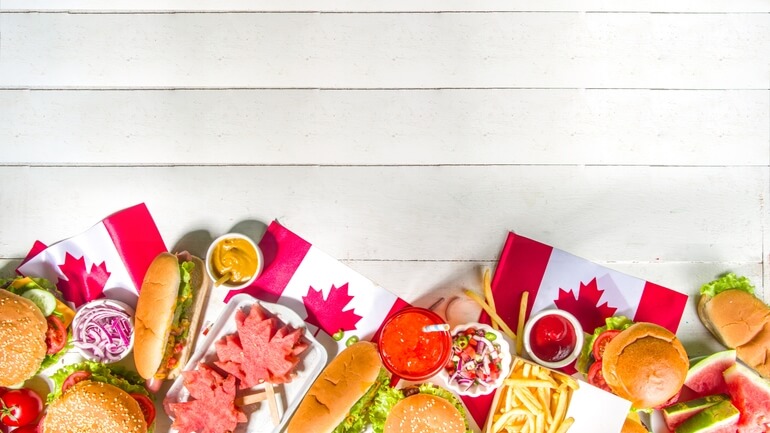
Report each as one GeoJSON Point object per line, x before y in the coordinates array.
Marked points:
{"type": "Point", "coordinates": [553, 338]}
{"type": "Point", "coordinates": [407, 351]}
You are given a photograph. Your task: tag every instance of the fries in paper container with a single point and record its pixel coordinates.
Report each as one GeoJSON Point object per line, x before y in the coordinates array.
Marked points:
{"type": "Point", "coordinates": [532, 399]}
{"type": "Point", "coordinates": [536, 399]}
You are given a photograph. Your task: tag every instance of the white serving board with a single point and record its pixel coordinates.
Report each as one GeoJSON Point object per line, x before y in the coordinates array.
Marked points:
{"type": "Point", "coordinates": [288, 395]}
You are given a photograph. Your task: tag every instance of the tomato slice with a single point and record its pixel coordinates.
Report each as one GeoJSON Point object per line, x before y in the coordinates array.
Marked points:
{"type": "Point", "coordinates": [148, 407]}
{"type": "Point", "coordinates": [601, 342]}
{"type": "Point", "coordinates": [55, 335]}
{"type": "Point", "coordinates": [596, 378]}
{"type": "Point", "coordinates": [75, 377]}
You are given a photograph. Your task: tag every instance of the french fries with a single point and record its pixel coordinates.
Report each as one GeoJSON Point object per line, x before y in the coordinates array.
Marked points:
{"type": "Point", "coordinates": [522, 319]}
{"type": "Point", "coordinates": [488, 295]}
{"type": "Point", "coordinates": [533, 399]}
{"type": "Point", "coordinates": [491, 312]}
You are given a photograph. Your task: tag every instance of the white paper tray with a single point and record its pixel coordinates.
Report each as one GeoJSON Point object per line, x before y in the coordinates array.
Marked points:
{"type": "Point", "coordinates": [288, 395]}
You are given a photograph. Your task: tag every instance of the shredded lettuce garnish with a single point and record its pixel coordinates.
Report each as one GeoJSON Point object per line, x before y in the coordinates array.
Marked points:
{"type": "Point", "coordinates": [729, 281]}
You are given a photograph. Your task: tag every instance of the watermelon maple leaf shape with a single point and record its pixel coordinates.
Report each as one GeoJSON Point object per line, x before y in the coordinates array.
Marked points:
{"type": "Point", "coordinates": [328, 314]}
{"type": "Point", "coordinates": [585, 306]}
{"type": "Point", "coordinates": [81, 285]}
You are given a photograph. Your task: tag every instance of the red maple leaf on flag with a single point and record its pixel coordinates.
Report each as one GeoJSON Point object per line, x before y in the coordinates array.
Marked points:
{"type": "Point", "coordinates": [328, 314]}
{"type": "Point", "coordinates": [79, 284]}
{"type": "Point", "coordinates": [585, 307]}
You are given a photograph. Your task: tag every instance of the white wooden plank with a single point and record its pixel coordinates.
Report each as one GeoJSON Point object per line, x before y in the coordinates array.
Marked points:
{"type": "Point", "coordinates": [434, 50]}
{"type": "Point", "coordinates": [395, 5]}
{"type": "Point", "coordinates": [413, 213]}
{"type": "Point", "coordinates": [375, 127]}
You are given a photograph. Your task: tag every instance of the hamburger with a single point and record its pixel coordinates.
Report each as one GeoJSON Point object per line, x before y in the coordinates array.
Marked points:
{"type": "Point", "coordinates": [95, 394]}
{"type": "Point", "coordinates": [641, 362]}
{"type": "Point", "coordinates": [738, 319]}
{"type": "Point", "coordinates": [95, 407]}
{"type": "Point", "coordinates": [341, 396]}
{"type": "Point", "coordinates": [425, 408]}
{"type": "Point", "coordinates": [168, 310]}
{"type": "Point", "coordinates": [645, 364]}
{"type": "Point", "coordinates": [33, 328]}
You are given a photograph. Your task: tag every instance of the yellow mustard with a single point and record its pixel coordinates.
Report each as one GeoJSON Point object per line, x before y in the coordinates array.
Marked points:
{"type": "Point", "coordinates": [234, 257]}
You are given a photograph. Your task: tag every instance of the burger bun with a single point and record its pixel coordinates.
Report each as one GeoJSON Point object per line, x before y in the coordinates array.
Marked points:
{"type": "Point", "coordinates": [645, 364]}
{"type": "Point", "coordinates": [424, 413]}
{"type": "Point", "coordinates": [22, 338]}
{"type": "Point", "coordinates": [94, 407]}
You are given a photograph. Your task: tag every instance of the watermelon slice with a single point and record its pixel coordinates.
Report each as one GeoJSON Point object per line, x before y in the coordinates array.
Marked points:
{"type": "Point", "coordinates": [705, 376]}
{"type": "Point", "coordinates": [751, 395]}
{"type": "Point", "coordinates": [676, 414]}
{"type": "Point", "coordinates": [719, 418]}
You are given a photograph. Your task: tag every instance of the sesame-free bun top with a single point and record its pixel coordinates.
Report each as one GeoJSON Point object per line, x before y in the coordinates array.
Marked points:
{"type": "Point", "coordinates": [22, 338]}
{"type": "Point", "coordinates": [339, 386]}
{"type": "Point", "coordinates": [739, 320]}
{"type": "Point", "coordinates": [424, 413]}
{"type": "Point", "coordinates": [94, 407]}
{"type": "Point", "coordinates": [645, 364]}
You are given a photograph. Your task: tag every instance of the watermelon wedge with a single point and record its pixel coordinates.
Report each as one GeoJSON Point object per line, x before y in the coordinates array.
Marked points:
{"type": "Point", "coordinates": [705, 375]}
{"type": "Point", "coordinates": [719, 418]}
{"type": "Point", "coordinates": [751, 395]}
{"type": "Point", "coordinates": [678, 413]}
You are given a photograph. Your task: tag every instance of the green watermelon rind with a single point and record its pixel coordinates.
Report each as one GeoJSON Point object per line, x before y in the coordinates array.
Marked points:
{"type": "Point", "coordinates": [678, 413]}
{"type": "Point", "coordinates": [711, 366]}
{"type": "Point", "coordinates": [701, 423]}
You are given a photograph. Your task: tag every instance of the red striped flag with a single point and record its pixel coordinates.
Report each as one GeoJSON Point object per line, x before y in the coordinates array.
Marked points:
{"type": "Point", "coordinates": [109, 259]}
{"type": "Point", "coordinates": [322, 290]}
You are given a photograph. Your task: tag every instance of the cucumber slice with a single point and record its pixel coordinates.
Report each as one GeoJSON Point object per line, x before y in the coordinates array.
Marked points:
{"type": "Point", "coordinates": [43, 299]}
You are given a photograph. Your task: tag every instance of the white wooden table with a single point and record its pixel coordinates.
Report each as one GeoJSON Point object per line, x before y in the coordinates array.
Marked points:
{"type": "Point", "coordinates": [405, 138]}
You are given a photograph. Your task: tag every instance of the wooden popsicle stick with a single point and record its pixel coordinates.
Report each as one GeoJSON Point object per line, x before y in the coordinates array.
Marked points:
{"type": "Point", "coordinates": [251, 399]}
{"type": "Point", "coordinates": [271, 403]}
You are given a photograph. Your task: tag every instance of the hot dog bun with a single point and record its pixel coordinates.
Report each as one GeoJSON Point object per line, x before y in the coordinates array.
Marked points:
{"type": "Point", "coordinates": [155, 312]}
{"type": "Point", "coordinates": [740, 321]}
{"type": "Point", "coordinates": [344, 381]}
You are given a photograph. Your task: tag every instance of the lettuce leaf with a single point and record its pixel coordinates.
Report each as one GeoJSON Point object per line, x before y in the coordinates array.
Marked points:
{"type": "Point", "coordinates": [729, 281]}
{"type": "Point", "coordinates": [124, 379]}
{"type": "Point", "coordinates": [384, 401]}
{"type": "Point", "coordinates": [586, 357]}
{"type": "Point", "coordinates": [357, 419]}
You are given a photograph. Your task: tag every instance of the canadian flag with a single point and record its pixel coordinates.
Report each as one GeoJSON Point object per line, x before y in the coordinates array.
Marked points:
{"type": "Point", "coordinates": [325, 292]}
{"type": "Point", "coordinates": [591, 292]}
{"type": "Point", "coordinates": [109, 259]}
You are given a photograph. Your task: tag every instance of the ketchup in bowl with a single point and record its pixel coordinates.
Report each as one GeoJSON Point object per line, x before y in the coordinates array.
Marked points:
{"type": "Point", "coordinates": [407, 351]}
{"type": "Point", "coordinates": [553, 338]}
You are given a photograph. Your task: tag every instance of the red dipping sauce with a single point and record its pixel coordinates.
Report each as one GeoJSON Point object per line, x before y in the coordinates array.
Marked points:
{"type": "Point", "coordinates": [407, 351]}
{"type": "Point", "coordinates": [553, 338]}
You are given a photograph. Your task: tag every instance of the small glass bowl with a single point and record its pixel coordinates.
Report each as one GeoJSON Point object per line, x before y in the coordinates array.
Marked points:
{"type": "Point", "coordinates": [388, 349]}
{"type": "Point", "coordinates": [478, 389]}
{"type": "Point", "coordinates": [576, 327]}
{"type": "Point", "coordinates": [215, 276]}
